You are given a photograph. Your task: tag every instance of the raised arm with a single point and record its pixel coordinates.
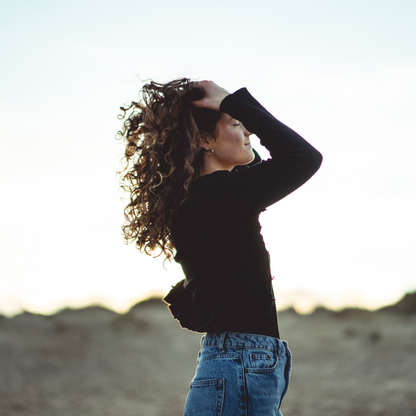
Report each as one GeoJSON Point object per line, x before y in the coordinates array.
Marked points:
{"type": "Point", "coordinates": [293, 160]}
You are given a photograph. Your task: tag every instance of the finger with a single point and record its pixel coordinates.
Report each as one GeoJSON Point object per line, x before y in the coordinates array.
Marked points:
{"type": "Point", "coordinates": [200, 103]}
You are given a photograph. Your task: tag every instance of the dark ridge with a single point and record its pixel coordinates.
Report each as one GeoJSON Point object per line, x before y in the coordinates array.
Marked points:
{"type": "Point", "coordinates": [405, 306]}
{"type": "Point", "coordinates": [352, 312]}
{"type": "Point", "coordinates": [321, 310]}
{"type": "Point", "coordinates": [152, 301]}
{"type": "Point", "coordinates": [290, 310]}
{"type": "Point", "coordinates": [88, 309]}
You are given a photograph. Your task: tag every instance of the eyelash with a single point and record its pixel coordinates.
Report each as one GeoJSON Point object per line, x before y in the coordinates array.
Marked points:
{"type": "Point", "coordinates": [236, 124]}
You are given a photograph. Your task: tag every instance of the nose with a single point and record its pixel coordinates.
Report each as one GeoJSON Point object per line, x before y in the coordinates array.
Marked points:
{"type": "Point", "coordinates": [247, 133]}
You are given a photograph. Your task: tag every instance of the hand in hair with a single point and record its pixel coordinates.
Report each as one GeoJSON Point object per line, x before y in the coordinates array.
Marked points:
{"type": "Point", "coordinates": [213, 95]}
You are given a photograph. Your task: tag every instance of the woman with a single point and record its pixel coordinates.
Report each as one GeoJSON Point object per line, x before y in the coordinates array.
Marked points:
{"type": "Point", "coordinates": [197, 188]}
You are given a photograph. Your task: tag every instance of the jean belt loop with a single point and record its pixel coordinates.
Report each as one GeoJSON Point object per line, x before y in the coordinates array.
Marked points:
{"type": "Point", "coordinates": [221, 342]}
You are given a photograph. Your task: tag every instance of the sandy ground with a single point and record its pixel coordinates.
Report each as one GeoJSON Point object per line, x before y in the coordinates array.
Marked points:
{"type": "Point", "coordinates": [95, 362]}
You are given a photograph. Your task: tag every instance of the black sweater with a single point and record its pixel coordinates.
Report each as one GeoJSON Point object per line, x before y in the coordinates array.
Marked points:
{"type": "Point", "coordinates": [217, 232]}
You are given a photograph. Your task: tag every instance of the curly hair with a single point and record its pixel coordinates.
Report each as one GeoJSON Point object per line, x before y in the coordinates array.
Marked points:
{"type": "Point", "coordinates": [163, 135]}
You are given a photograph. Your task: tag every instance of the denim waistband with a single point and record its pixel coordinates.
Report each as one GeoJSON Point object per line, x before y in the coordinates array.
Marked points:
{"type": "Point", "coordinates": [242, 340]}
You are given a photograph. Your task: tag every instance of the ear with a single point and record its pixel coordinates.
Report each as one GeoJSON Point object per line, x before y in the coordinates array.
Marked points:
{"type": "Point", "coordinates": [205, 139]}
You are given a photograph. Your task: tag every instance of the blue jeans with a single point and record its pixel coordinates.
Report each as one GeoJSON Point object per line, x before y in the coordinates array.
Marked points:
{"type": "Point", "coordinates": [239, 375]}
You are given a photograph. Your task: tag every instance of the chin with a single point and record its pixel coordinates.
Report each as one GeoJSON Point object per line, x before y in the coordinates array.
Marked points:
{"type": "Point", "coordinates": [246, 161]}
{"type": "Point", "coordinates": [251, 157]}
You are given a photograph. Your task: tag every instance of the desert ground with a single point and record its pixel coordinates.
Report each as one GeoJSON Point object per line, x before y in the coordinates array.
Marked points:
{"type": "Point", "coordinates": [94, 362]}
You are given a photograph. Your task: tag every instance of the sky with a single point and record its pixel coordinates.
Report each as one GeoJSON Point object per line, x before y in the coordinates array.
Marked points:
{"type": "Point", "coordinates": [340, 73]}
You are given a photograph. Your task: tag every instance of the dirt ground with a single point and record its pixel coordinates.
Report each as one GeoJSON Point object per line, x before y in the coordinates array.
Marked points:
{"type": "Point", "coordinates": [94, 362]}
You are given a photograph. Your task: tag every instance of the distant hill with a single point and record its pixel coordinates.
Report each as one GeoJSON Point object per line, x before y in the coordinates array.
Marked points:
{"type": "Point", "coordinates": [152, 301]}
{"type": "Point", "coordinates": [405, 306]}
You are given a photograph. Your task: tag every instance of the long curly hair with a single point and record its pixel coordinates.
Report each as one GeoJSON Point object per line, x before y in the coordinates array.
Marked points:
{"type": "Point", "coordinates": [163, 134]}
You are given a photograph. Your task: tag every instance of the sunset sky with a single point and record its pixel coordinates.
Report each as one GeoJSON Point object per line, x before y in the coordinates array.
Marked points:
{"type": "Point", "coordinates": [340, 73]}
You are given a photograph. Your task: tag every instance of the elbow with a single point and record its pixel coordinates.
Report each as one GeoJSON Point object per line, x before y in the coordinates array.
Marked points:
{"type": "Point", "coordinates": [315, 161]}
{"type": "Point", "coordinates": [319, 158]}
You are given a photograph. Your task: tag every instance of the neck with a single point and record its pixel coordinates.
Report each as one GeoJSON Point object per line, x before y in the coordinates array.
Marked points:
{"type": "Point", "coordinates": [212, 165]}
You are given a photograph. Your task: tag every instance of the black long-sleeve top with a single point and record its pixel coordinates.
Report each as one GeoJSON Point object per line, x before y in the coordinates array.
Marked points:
{"type": "Point", "coordinates": [227, 285]}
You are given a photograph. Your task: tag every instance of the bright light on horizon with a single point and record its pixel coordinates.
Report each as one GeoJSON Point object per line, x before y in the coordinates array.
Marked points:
{"type": "Point", "coordinates": [304, 302]}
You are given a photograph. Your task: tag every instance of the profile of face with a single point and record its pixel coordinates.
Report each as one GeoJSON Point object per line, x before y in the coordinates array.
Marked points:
{"type": "Point", "coordinates": [232, 145]}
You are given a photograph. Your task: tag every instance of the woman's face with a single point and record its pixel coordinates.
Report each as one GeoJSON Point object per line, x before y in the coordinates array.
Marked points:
{"type": "Point", "coordinates": [232, 146]}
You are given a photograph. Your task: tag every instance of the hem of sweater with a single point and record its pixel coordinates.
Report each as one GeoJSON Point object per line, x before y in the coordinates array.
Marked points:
{"type": "Point", "coordinates": [261, 333]}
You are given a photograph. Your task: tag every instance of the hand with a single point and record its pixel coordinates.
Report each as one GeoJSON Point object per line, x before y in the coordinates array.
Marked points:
{"type": "Point", "coordinates": [214, 95]}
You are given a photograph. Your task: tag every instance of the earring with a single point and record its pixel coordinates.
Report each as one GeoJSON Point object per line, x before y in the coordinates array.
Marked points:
{"type": "Point", "coordinates": [209, 151]}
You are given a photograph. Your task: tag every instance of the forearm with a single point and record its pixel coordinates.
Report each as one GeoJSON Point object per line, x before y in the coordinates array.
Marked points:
{"type": "Point", "coordinates": [274, 135]}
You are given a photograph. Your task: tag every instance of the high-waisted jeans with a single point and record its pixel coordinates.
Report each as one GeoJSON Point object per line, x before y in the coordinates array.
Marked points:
{"type": "Point", "coordinates": [239, 375]}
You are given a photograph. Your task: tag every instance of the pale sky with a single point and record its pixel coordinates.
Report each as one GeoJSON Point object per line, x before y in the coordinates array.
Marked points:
{"type": "Point", "coordinates": [342, 74]}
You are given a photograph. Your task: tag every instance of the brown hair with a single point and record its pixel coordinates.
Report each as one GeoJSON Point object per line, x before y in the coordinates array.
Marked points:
{"type": "Point", "coordinates": [163, 155]}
